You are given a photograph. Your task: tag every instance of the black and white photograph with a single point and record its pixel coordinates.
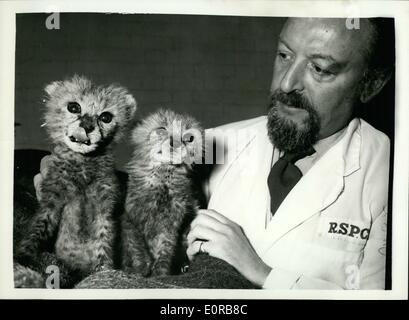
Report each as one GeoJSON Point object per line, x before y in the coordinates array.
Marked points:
{"type": "Point", "coordinates": [198, 150]}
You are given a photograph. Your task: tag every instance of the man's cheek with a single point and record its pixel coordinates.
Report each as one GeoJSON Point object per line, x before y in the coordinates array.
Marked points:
{"type": "Point", "coordinates": [321, 99]}
{"type": "Point", "coordinates": [274, 85]}
{"type": "Point", "coordinates": [278, 75]}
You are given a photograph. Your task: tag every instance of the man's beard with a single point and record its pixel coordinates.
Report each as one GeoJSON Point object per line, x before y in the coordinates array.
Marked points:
{"type": "Point", "coordinates": [284, 133]}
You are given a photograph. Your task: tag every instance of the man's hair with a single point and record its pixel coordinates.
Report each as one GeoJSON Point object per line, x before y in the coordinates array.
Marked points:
{"type": "Point", "coordinates": [379, 112]}
{"type": "Point", "coordinates": [381, 54]}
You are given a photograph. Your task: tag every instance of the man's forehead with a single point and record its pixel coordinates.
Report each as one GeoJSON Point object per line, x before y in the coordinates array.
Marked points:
{"type": "Point", "coordinates": [325, 36]}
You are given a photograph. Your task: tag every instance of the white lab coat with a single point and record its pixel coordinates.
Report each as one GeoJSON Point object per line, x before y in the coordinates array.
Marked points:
{"type": "Point", "coordinates": [330, 231]}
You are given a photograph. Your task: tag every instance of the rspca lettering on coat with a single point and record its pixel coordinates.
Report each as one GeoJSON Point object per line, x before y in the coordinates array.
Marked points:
{"type": "Point", "coordinates": [349, 230]}
{"type": "Point", "coordinates": [344, 229]}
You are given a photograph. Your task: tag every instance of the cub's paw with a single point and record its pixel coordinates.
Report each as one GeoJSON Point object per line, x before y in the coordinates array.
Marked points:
{"type": "Point", "coordinates": [25, 277]}
{"type": "Point", "coordinates": [26, 256]}
{"type": "Point", "coordinates": [143, 269]}
{"type": "Point", "coordinates": [102, 267]}
{"type": "Point", "coordinates": [161, 269]}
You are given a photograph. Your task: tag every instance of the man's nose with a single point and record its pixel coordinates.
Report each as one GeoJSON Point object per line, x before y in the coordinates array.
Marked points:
{"type": "Point", "coordinates": [293, 78]}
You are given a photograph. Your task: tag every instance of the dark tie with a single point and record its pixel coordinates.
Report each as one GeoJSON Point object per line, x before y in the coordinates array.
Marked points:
{"type": "Point", "coordinates": [283, 176]}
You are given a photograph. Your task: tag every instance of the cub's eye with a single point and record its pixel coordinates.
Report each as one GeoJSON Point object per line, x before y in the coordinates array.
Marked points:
{"type": "Point", "coordinates": [161, 131]}
{"type": "Point", "coordinates": [106, 117]}
{"type": "Point", "coordinates": [188, 137]}
{"type": "Point", "coordinates": [158, 134]}
{"type": "Point", "coordinates": [73, 107]}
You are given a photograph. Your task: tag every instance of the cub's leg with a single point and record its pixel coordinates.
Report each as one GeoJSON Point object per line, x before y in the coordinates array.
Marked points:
{"type": "Point", "coordinates": [103, 232]}
{"type": "Point", "coordinates": [163, 250]}
{"type": "Point", "coordinates": [52, 266]}
{"type": "Point", "coordinates": [135, 255]}
{"type": "Point", "coordinates": [44, 225]}
{"type": "Point", "coordinates": [73, 241]}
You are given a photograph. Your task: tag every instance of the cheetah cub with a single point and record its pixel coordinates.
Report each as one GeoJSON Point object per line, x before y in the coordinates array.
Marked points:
{"type": "Point", "coordinates": [80, 190]}
{"type": "Point", "coordinates": [162, 197]}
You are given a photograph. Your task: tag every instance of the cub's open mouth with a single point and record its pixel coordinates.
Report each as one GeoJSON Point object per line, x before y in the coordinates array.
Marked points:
{"type": "Point", "coordinates": [86, 142]}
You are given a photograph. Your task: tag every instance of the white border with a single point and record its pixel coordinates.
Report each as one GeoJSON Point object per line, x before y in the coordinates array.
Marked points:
{"type": "Point", "coordinates": [397, 9]}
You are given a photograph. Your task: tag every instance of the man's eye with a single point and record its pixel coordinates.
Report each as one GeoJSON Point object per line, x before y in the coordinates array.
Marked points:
{"type": "Point", "coordinates": [320, 71]}
{"type": "Point", "coordinates": [283, 55]}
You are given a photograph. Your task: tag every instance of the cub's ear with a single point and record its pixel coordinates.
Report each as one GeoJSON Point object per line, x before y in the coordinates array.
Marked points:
{"type": "Point", "coordinates": [131, 105]}
{"type": "Point", "coordinates": [51, 87]}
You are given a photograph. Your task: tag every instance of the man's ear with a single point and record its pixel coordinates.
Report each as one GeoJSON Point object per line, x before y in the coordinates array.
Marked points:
{"type": "Point", "coordinates": [374, 85]}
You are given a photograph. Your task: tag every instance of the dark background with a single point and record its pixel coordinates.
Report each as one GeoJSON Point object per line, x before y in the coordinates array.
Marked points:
{"type": "Point", "coordinates": [216, 68]}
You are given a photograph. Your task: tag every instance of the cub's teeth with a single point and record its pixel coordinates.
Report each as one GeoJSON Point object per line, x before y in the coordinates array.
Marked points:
{"type": "Point", "coordinates": [87, 142]}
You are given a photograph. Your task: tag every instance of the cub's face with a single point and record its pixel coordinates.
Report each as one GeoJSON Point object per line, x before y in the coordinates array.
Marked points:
{"type": "Point", "coordinates": [167, 138]}
{"type": "Point", "coordinates": [86, 117]}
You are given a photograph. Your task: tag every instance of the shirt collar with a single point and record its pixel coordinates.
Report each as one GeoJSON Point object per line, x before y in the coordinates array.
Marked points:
{"type": "Point", "coordinates": [325, 144]}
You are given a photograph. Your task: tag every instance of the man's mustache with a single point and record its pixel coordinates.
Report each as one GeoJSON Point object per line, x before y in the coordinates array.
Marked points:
{"type": "Point", "coordinates": [293, 99]}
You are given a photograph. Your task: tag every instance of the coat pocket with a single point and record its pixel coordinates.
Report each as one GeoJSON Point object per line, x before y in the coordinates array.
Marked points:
{"type": "Point", "coordinates": [342, 233]}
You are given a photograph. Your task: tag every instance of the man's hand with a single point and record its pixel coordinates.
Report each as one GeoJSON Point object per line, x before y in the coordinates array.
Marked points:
{"type": "Point", "coordinates": [38, 178]}
{"type": "Point", "coordinates": [220, 237]}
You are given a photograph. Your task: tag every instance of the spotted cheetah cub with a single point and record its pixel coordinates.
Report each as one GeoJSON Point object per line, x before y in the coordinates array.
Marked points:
{"type": "Point", "coordinates": [163, 196]}
{"type": "Point", "coordinates": [80, 190]}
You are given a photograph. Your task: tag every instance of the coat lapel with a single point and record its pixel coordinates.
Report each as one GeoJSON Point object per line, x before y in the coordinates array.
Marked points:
{"type": "Point", "coordinates": [241, 193]}
{"type": "Point", "coordinates": [230, 193]}
{"type": "Point", "coordinates": [260, 158]}
{"type": "Point", "coordinates": [318, 188]}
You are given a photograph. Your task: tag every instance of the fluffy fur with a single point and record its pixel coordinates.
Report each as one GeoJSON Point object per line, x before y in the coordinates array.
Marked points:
{"type": "Point", "coordinates": [80, 190]}
{"type": "Point", "coordinates": [162, 198]}
{"type": "Point", "coordinates": [25, 277]}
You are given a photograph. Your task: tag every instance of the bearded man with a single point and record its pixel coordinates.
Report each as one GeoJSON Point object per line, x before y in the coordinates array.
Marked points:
{"type": "Point", "coordinates": [301, 201]}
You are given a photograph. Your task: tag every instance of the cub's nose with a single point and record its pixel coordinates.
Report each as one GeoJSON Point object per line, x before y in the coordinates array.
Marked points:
{"type": "Point", "coordinates": [174, 143]}
{"type": "Point", "coordinates": [87, 123]}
